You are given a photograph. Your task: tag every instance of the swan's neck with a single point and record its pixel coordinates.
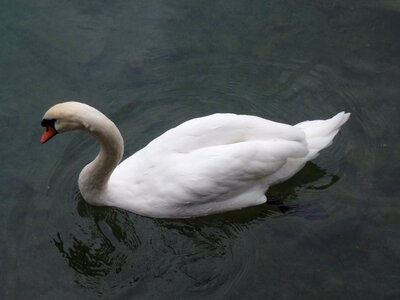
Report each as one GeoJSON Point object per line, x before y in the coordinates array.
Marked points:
{"type": "Point", "coordinates": [93, 179]}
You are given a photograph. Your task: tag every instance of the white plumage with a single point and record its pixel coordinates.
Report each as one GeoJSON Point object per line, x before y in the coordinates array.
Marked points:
{"type": "Point", "coordinates": [204, 166]}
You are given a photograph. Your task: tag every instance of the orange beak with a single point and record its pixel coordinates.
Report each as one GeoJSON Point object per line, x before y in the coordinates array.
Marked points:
{"type": "Point", "coordinates": [48, 134]}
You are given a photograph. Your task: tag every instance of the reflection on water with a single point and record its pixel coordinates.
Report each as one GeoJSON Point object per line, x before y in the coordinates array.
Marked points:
{"type": "Point", "coordinates": [107, 245]}
{"type": "Point", "coordinates": [106, 230]}
{"type": "Point", "coordinates": [151, 65]}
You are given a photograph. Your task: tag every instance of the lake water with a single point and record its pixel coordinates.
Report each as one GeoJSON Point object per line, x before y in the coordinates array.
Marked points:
{"type": "Point", "coordinates": [331, 232]}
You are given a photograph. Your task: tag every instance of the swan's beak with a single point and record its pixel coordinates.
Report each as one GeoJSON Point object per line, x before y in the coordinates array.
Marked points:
{"type": "Point", "coordinates": [48, 134]}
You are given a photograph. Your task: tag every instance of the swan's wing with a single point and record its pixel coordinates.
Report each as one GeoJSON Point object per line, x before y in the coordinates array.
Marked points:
{"type": "Point", "coordinates": [217, 170]}
{"type": "Point", "coordinates": [221, 172]}
{"type": "Point", "coordinates": [221, 129]}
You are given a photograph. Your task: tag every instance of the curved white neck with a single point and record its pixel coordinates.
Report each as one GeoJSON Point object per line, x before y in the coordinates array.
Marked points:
{"type": "Point", "coordinates": [94, 177]}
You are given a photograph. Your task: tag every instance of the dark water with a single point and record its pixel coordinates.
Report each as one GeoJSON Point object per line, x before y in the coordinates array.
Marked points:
{"type": "Point", "coordinates": [331, 232]}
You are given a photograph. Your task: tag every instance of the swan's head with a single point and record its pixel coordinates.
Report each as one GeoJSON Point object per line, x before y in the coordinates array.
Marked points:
{"type": "Point", "coordinates": [68, 116]}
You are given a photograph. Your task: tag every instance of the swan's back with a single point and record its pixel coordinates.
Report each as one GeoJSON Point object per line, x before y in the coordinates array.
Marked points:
{"type": "Point", "coordinates": [223, 129]}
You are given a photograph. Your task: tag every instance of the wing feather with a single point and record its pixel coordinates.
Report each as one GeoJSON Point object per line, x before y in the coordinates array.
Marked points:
{"type": "Point", "coordinates": [222, 129]}
{"type": "Point", "coordinates": [219, 172]}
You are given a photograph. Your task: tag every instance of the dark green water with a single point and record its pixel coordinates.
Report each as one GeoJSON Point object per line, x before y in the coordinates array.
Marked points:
{"type": "Point", "coordinates": [153, 64]}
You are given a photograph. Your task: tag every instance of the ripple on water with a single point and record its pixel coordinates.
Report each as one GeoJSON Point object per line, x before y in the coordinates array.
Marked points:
{"type": "Point", "coordinates": [112, 251]}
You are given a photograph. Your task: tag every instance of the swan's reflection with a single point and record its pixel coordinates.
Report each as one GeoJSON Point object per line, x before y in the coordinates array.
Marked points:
{"type": "Point", "coordinates": [311, 177]}
{"type": "Point", "coordinates": [95, 252]}
{"type": "Point", "coordinates": [127, 249]}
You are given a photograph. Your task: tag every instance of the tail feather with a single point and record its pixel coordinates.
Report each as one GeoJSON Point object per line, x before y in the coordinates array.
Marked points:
{"type": "Point", "coordinates": [320, 133]}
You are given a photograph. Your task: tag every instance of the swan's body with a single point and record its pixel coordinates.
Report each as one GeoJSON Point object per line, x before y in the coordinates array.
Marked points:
{"type": "Point", "coordinates": [204, 166]}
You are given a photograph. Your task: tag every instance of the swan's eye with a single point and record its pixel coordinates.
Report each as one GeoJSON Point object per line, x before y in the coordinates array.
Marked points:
{"type": "Point", "coordinates": [48, 123]}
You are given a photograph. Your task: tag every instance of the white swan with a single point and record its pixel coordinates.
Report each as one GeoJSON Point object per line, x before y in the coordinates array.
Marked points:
{"type": "Point", "coordinates": [204, 166]}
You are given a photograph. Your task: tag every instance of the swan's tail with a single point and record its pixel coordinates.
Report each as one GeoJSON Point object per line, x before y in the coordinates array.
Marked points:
{"type": "Point", "coordinates": [320, 133]}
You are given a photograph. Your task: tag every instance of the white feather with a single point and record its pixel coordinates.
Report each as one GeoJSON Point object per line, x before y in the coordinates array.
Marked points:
{"type": "Point", "coordinates": [204, 166]}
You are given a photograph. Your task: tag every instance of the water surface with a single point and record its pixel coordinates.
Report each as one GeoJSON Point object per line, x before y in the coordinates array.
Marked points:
{"type": "Point", "coordinates": [331, 232]}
